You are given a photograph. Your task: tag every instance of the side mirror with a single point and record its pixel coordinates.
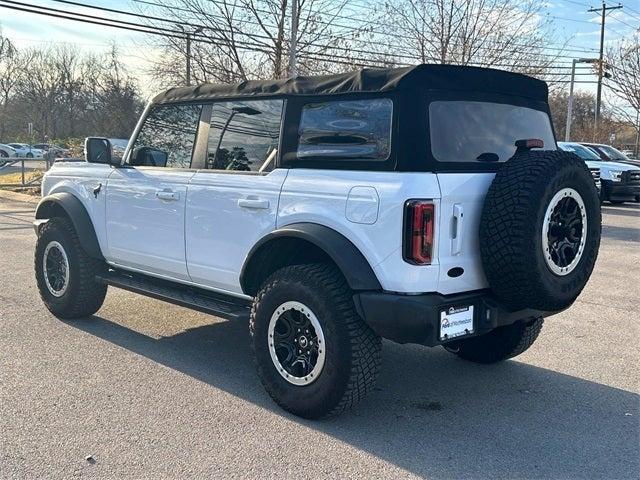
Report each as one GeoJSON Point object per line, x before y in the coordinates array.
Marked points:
{"type": "Point", "coordinates": [148, 157]}
{"type": "Point", "coordinates": [99, 150]}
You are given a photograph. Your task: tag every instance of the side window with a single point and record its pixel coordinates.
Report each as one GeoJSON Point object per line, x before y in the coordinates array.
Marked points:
{"type": "Point", "coordinates": [167, 137]}
{"type": "Point", "coordinates": [356, 129]}
{"type": "Point", "coordinates": [244, 135]}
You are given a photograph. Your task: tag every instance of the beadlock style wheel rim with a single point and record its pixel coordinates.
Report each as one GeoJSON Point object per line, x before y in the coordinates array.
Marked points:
{"type": "Point", "coordinates": [296, 343]}
{"type": "Point", "coordinates": [564, 231]}
{"type": "Point", "coordinates": [55, 266]}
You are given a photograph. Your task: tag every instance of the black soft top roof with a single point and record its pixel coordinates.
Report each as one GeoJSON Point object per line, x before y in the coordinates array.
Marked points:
{"type": "Point", "coordinates": [423, 77]}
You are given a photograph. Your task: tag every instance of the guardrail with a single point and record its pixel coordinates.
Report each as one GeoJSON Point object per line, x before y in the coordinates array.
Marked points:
{"type": "Point", "coordinates": [7, 162]}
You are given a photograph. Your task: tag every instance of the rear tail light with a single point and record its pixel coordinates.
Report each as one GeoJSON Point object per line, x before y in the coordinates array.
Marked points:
{"type": "Point", "coordinates": [418, 232]}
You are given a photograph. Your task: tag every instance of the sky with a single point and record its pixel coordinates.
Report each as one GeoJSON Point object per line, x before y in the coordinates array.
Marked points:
{"type": "Point", "coordinates": [571, 23]}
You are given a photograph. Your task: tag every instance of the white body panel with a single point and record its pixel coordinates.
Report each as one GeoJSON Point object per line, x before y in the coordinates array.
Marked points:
{"type": "Point", "coordinates": [226, 215]}
{"type": "Point", "coordinates": [459, 221]}
{"type": "Point", "coordinates": [320, 196]}
{"type": "Point", "coordinates": [203, 234]}
{"type": "Point", "coordinates": [80, 179]}
{"type": "Point", "coordinates": [145, 219]}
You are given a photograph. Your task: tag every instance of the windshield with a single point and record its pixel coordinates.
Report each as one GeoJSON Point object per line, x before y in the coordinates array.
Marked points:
{"type": "Point", "coordinates": [581, 151]}
{"type": "Point", "coordinates": [464, 131]}
{"type": "Point", "coordinates": [613, 153]}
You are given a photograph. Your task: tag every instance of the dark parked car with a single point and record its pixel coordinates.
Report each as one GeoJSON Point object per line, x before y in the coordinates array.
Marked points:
{"type": "Point", "coordinates": [611, 154]}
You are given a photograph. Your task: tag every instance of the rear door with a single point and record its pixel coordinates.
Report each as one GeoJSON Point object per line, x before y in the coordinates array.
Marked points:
{"type": "Point", "coordinates": [145, 211]}
{"type": "Point", "coordinates": [232, 202]}
{"type": "Point", "coordinates": [466, 134]}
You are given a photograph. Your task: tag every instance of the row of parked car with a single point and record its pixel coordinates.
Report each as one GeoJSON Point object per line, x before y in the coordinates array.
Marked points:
{"type": "Point", "coordinates": [24, 150]}
{"type": "Point", "coordinates": [617, 176]}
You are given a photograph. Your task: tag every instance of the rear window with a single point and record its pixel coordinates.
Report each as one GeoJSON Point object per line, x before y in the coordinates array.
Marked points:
{"type": "Point", "coordinates": [358, 129]}
{"type": "Point", "coordinates": [463, 131]}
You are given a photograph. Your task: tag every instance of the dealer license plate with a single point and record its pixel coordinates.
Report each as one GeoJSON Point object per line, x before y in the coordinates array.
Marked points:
{"type": "Point", "coordinates": [455, 322]}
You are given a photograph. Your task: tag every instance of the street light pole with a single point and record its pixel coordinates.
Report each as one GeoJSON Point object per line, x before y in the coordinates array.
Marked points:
{"type": "Point", "coordinates": [294, 38]}
{"type": "Point", "coordinates": [188, 37]}
{"type": "Point", "coordinates": [567, 131]}
{"type": "Point", "coordinates": [188, 59]}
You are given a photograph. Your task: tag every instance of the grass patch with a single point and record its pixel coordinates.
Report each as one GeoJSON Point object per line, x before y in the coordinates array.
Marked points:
{"type": "Point", "coordinates": [16, 177]}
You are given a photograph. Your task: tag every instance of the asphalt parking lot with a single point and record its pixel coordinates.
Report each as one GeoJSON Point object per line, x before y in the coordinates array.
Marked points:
{"type": "Point", "coordinates": [149, 390]}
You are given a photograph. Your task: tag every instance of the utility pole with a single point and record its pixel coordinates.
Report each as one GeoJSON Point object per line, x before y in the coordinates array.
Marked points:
{"type": "Point", "coordinates": [294, 38]}
{"type": "Point", "coordinates": [603, 11]}
{"type": "Point", "coordinates": [567, 130]}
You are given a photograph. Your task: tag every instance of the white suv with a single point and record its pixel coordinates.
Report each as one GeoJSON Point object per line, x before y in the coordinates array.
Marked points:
{"type": "Point", "coordinates": [414, 204]}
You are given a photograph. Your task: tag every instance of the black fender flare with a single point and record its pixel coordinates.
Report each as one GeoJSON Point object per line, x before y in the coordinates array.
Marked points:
{"type": "Point", "coordinates": [74, 209]}
{"type": "Point", "coordinates": [351, 262]}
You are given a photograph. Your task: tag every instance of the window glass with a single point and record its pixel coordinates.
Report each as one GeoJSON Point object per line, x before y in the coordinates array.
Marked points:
{"type": "Point", "coordinates": [583, 152]}
{"type": "Point", "coordinates": [244, 135]}
{"type": "Point", "coordinates": [358, 129]}
{"type": "Point", "coordinates": [167, 137]}
{"type": "Point", "coordinates": [482, 131]}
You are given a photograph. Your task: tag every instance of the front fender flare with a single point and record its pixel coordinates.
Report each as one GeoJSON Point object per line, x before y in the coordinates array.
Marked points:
{"type": "Point", "coordinates": [74, 209]}
{"type": "Point", "coordinates": [351, 262]}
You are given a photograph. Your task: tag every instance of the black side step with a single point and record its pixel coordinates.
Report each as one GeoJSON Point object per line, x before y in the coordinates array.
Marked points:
{"type": "Point", "coordinates": [199, 299]}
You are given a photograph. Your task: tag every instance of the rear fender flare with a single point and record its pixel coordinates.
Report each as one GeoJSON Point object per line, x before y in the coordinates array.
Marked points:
{"type": "Point", "coordinates": [354, 266]}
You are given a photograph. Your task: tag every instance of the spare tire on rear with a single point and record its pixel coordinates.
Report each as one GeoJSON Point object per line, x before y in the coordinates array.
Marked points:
{"type": "Point", "coordinates": [540, 230]}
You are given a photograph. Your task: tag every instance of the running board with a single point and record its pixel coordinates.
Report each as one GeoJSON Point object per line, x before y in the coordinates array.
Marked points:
{"type": "Point", "coordinates": [224, 306]}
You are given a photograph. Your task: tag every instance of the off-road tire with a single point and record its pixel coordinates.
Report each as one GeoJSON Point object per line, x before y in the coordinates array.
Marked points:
{"type": "Point", "coordinates": [352, 348]}
{"type": "Point", "coordinates": [84, 295]}
{"type": "Point", "coordinates": [499, 344]}
{"type": "Point", "coordinates": [511, 230]}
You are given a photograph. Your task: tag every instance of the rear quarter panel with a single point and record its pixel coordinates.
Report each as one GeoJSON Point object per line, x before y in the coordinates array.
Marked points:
{"type": "Point", "coordinates": [323, 197]}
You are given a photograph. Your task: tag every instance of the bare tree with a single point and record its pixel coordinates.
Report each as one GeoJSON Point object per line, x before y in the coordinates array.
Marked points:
{"type": "Point", "coordinates": [247, 39]}
{"type": "Point", "coordinates": [507, 34]}
{"type": "Point", "coordinates": [624, 60]}
{"type": "Point", "coordinates": [10, 69]}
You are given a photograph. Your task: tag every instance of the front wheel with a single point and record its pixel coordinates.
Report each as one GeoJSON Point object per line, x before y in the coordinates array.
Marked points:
{"type": "Point", "coordinates": [314, 355]}
{"type": "Point", "coordinates": [29, 155]}
{"type": "Point", "coordinates": [499, 344]}
{"type": "Point", "coordinates": [65, 274]}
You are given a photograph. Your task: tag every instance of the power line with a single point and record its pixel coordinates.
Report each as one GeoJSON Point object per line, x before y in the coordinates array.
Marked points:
{"type": "Point", "coordinates": [351, 28]}
{"type": "Point", "coordinates": [318, 56]}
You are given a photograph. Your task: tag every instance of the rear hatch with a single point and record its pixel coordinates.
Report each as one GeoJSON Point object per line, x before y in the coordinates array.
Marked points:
{"type": "Point", "coordinates": [467, 134]}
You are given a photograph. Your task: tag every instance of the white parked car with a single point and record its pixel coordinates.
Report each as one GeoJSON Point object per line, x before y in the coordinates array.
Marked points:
{"type": "Point", "coordinates": [6, 151]}
{"type": "Point", "coordinates": [25, 150]}
{"type": "Point", "coordinates": [620, 180]}
{"type": "Point", "coordinates": [590, 158]}
{"type": "Point", "coordinates": [415, 204]}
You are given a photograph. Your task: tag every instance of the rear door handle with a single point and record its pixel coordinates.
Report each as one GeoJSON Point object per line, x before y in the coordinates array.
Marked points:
{"type": "Point", "coordinates": [167, 195]}
{"type": "Point", "coordinates": [254, 203]}
{"type": "Point", "coordinates": [458, 224]}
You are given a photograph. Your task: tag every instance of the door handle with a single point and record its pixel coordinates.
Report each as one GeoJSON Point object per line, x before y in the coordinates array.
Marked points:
{"type": "Point", "coordinates": [167, 195]}
{"type": "Point", "coordinates": [254, 203]}
{"type": "Point", "coordinates": [458, 223]}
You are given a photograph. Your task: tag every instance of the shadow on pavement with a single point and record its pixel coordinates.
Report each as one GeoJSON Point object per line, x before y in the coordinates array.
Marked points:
{"type": "Point", "coordinates": [433, 414]}
{"type": "Point", "coordinates": [626, 234]}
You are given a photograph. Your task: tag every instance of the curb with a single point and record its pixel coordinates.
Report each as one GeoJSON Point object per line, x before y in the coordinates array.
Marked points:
{"type": "Point", "coordinates": [18, 197]}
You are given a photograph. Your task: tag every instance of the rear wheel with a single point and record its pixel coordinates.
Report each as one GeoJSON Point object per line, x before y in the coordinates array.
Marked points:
{"type": "Point", "coordinates": [4, 154]}
{"type": "Point", "coordinates": [499, 344]}
{"type": "Point", "coordinates": [314, 355]}
{"type": "Point", "coordinates": [65, 274]}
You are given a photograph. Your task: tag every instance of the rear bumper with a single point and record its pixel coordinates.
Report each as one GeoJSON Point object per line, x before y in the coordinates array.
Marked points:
{"type": "Point", "coordinates": [416, 318]}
